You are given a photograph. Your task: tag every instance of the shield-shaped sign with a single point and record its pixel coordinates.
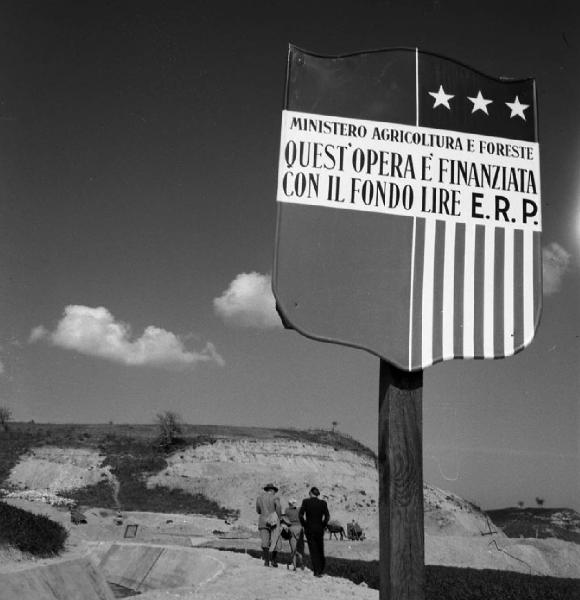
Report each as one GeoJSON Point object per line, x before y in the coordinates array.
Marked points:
{"type": "Point", "coordinates": [409, 211]}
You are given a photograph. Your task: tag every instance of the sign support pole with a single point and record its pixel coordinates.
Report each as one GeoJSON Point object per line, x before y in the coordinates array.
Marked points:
{"type": "Point", "coordinates": [400, 457]}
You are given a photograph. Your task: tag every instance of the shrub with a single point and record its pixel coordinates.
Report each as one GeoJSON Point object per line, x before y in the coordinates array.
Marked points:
{"type": "Point", "coordinates": [169, 428]}
{"type": "Point", "coordinates": [31, 533]}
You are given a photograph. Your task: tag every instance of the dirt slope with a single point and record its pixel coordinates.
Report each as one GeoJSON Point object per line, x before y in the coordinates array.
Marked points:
{"type": "Point", "coordinates": [54, 469]}
{"type": "Point", "coordinates": [233, 471]}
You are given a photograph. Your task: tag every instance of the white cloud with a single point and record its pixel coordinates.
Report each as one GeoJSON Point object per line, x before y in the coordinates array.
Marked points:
{"type": "Point", "coordinates": [556, 261]}
{"type": "Point", "coordinates": [249, 302]}
{"type": "Point", "coordinates": [94, 331]}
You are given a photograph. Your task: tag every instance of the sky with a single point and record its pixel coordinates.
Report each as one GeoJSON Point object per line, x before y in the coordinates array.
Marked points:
{"type": "Point", "coordinates": [138, 166]}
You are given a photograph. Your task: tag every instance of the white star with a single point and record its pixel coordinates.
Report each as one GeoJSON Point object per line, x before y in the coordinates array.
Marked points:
{"type": "Point", "coordinates": [479, 103]}
{"type": "Point", "coordinates": [441, 98]}
{"type": "Point", "coordinates": [517, 108]}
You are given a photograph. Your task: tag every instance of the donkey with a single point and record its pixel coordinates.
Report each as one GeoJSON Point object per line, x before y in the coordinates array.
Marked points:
{"type": "Point", "coordinates": [336, 529]}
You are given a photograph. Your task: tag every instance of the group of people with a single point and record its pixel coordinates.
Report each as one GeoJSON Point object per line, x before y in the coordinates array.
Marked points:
{"type": "Point", "coordinates": [294, 524]}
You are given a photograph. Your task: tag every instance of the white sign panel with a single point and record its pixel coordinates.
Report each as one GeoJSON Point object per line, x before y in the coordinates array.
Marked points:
{"type": "Point", "coordinates": [410, 171]}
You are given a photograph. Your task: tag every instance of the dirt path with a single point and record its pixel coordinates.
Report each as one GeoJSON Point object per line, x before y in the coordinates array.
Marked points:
{"type": "Point", "coordinates": [245, 578]}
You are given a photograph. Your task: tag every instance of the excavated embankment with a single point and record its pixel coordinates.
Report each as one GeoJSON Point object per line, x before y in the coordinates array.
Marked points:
{"type": "Point", "coordinates": [233, 471]}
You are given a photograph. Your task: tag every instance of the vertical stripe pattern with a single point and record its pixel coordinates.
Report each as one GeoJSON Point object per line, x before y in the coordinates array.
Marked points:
{"type": "Point", "coordinates": [476, 291]}
{"type": "Point", "coordinates": [476, 286]}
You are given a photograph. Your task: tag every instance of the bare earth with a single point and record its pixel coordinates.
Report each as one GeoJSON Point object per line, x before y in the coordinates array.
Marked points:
{"type": "Point", "coordinates": [245, 578]}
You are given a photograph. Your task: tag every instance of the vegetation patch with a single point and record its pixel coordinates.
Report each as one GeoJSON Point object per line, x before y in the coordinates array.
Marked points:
{"type": "Point", "coordinates": [101, 494]}
{"type": "Point", "coordinates": [132, 461]}
{"type": "Point", "coordinates": [35, 534]}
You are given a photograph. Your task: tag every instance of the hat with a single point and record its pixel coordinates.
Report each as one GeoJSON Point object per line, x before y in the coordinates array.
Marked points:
{"type": "Point", "coordinates": [270, 486]}
{"type": "Point", "coordinates": [315, 491]}
{"type": "Point", "coordinates": [292, 501]}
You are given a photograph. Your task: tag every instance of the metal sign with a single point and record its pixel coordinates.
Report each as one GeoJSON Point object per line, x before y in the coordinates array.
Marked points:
{"type": "Point", "coordinates": [409, 211]}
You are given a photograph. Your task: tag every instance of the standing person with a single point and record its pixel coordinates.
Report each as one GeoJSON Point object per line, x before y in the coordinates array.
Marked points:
{"type": "Point", "coordinates": [314, 516]}
{"type": "Point", "coordinates": [270, 511]}
{"type": "Point", "coordinates": [292, 519]}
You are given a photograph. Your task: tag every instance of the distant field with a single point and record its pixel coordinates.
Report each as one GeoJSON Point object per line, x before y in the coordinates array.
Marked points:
{"type": "Point", "coordinates": [560, 523]}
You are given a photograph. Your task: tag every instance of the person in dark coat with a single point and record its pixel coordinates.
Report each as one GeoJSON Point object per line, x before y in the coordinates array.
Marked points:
{"type": "Point", "coordinates": [314, 516]}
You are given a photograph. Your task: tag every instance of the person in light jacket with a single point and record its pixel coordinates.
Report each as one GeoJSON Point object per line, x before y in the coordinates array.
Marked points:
{"type": "Point", "coordinates": [268, 505]}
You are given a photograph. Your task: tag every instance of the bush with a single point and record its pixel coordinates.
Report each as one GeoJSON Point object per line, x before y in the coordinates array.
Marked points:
{"type": "Point", "coordinates": [31, 533]}
{"type": "Point", "coordinates": [169, 425]}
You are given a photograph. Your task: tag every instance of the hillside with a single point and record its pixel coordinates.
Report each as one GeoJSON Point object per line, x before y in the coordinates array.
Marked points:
{"type": "Point", "coordinates": [205, 486]}
{"type": "Point", "coordinates": [213, 470]}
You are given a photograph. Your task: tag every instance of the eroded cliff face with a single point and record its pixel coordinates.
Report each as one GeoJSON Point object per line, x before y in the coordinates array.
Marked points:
{"type": "Point", "coordinates": [233, 473]}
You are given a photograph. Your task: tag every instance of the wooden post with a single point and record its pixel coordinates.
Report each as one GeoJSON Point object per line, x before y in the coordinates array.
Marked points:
{"type": "Point", "coordinates": [401, 520]}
